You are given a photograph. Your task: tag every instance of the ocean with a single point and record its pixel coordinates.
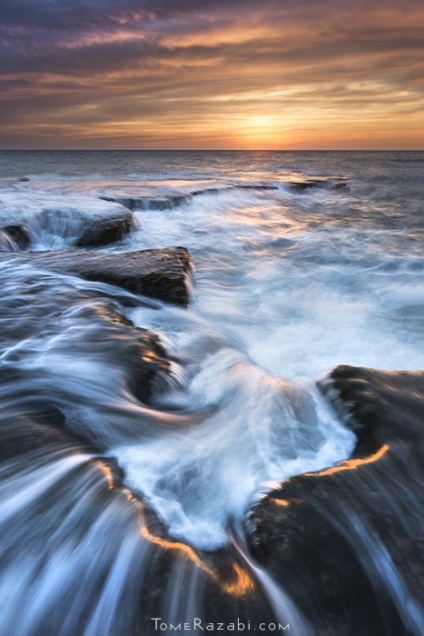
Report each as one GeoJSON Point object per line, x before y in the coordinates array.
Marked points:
{"type": "Point", "coordinates": [301, 262]}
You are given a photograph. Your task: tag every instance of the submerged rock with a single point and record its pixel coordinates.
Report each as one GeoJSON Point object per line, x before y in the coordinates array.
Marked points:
{"type": "Point", "coordinates": [340, 186]}
{"type": "Point", "coordinates": [158, 273]}
{"type": "Point", "coordinates": [302, 185]}
{"type": "Point", "coordinates": [81, 221]}
{"type": "Point", "coordinates": [41, 432]}
{"type": "Point", "coordinates": [172, 201]}
{"type": "Point", "coordinates": [72, 360]}
{"type": "Point", "coordinates": [148, 202]}
{"type": "Point", "coordinates": [13, 238]}
{"type": "Point", "coordinates": [347, 543]}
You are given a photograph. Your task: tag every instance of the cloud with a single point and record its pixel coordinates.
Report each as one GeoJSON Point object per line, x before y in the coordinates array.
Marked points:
{"type": "Point", "coordinates": [114, 72]}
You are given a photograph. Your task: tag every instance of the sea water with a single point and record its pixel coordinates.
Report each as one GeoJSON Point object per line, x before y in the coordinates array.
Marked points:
{"type": "Point", "coordinates": [303, 261]}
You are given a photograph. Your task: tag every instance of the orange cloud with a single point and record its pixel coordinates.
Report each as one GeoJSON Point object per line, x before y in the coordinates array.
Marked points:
{"type": "Point", "coordinates": [168, 75]}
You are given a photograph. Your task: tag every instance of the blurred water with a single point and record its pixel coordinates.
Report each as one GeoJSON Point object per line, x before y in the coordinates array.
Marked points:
{"type": "Point", "coordinates": [303, 261]}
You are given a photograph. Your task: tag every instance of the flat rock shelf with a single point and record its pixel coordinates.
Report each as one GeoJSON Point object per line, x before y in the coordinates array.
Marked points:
{"type": "Point", "coordinates": [159, 273]}
{"type": "Point", "coordinates": [316, 534]}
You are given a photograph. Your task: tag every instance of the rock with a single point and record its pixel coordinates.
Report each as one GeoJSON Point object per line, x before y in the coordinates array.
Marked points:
{"type": "Point", "coordinates": [13, 236]}
{"type": "Point", "coordinates": [148, 202]}
{"type": "Point", "coordinates": [84, 221]}
{"type": "Point", "coordinates": [6, 242]}
{"type": "Point", "coordinates": [347, 543]}
{"type": "Point", "coordinates": [43, 432]}
{"type": "Point", "coordinates": [105, 231]}
{"type": "Point", "coordinates": [161, 273]}
{"type": "Point", "coordinates": [172, 201]}
{"type": "Point", "coordinates": [105, 356]}
{"type": "Point", "coordinates": [256, 187]}
{"type": "Point", "coordinates": [302, 185]}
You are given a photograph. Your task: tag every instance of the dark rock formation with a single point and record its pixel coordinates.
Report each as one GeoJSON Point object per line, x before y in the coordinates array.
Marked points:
{"type": "Point", "coordinates": [110, 229]}
{"type": "Point", "coordinates": [88, 330]}
{"type": "Point", "coordinates": [302, 185]}
{"type": "Point", "coordinates": [172, 201]}
{"type": "Point", "coordinates": [88, 224]}
{"type": "Point", "coordinates": [20, 235]}
{"type": "Point", "coordinates": [6, 243]}
{"type": "Point", "coordinates": [41, 432]}
{"type": "Point", "coordinates": [258, 187]}
{"type": "Point", "coordinates": [14, 237]}
{"type": "Point", "coordinates": [149, 203]}
{"type": "Point", "coordinates": [347, 543]}
{"type": "Point", "coordinates": [160, 273]}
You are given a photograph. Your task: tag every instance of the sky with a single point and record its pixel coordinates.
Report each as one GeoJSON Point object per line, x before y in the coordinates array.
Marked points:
{"type": "Point", "coordinates": [212, 74]}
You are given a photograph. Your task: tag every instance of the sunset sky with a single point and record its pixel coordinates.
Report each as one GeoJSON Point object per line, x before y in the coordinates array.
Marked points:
{"type": "Point", "coordinates": [236, 74]}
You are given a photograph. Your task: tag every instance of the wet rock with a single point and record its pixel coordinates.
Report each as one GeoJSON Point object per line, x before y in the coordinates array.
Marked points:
{"type": "Point", "coordinates": [340, 186]}
{"type": "Point", "coordinates": [22, 434]}
{"type": "Point", "coordinates": [28, 423]}
{"type": "Point", "coordinates": [158, 273]}
{"type": "Point", "coordinates": [14, 237]}
{"type": "Point", "coordinates": [347, 543]}
{"type": "Point", "coordinates": [82, 221]}
{"type": "Point", "coordinates": [303, 185]}
{"type": "Point", "coordinates": [172, 201]}
{"type": "Point", "coordinates": [6, 243]}
{"type": "Point", "coordinates": [41, 432]}
{"type": "Point", "coordinates": [105, 231]}
{"type": "Point", "coordinates": [106, 356]}
{"type": "Point", "coordinates": [256, 187]}
{"type": "Point", "coordinates": [149, 203]}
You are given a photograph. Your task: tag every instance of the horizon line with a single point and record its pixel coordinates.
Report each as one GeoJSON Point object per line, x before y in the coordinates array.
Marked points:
{"type": "Point", "coordinates": [211, 150]}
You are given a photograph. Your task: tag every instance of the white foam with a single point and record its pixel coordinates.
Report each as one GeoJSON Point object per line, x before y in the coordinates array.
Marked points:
{"type": "Point", "coordinates": [293, 309]}
{"type": "Point", "coordinates": [285, 289]}
{"type": "Point", "coordinates": [260, 429]}
{"type": "Point", "coordinates": [54, 220]}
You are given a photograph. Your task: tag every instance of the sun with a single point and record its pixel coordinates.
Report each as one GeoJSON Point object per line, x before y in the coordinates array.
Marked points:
{"type": "Point", "coordinates": [260, 131]}
{"type": "Point", "coordinates": [261, 122]}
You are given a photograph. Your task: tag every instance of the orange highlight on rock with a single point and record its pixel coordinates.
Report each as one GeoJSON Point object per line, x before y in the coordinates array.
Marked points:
{"type": "Point", "coordinates": [242, 583]}
{"type": "Point", "coordinates": [352, 464]}
{"type": "Point", "coordinates": [285, 503]}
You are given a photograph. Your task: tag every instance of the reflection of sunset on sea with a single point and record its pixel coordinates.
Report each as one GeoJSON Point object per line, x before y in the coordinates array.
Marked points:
{"type": "Point", "coordinates": [327, 75]}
